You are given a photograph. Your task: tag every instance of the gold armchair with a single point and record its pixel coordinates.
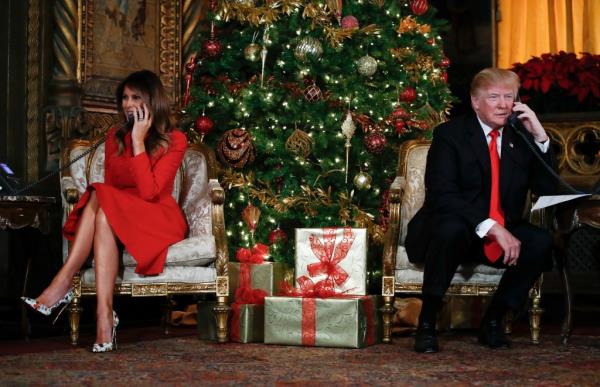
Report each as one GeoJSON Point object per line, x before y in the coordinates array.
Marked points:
{"type": "Point", "coordinates": [198, 264]}
{"type": "Point", "coordinates": [407, 194]}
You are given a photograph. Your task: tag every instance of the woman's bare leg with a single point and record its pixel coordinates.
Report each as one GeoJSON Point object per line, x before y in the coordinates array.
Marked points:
{"type": "Point", "coordinates": [106, 265]}
{"type": "Point", "coordinates": [78, 254]}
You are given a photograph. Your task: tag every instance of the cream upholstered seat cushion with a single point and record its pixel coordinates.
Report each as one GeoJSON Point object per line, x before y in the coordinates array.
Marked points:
{"type": "Point", "coordinates": [412, 200]}
{"type": "Point", "coordinates": [188, 260]}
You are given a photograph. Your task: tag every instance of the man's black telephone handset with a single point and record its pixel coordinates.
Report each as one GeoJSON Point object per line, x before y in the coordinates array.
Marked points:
{"type": "Point", "coordinates": [514, 122]}
{"type": "Point", "coordinates": [11, 185]}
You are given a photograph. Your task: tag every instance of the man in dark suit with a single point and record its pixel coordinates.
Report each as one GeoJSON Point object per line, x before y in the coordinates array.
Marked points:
{"type": "Point", "coordinates": [479, 171]}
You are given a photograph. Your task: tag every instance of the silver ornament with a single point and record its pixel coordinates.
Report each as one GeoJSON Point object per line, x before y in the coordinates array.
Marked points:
{"type": "Point", "coordinates": [362, 180]}
{"type": "Point", "coordinates": [252, 52]}
{"type": "Point", "coordinates": [367, 65]}
{"type": "Point", "coordinates": [308, 47]}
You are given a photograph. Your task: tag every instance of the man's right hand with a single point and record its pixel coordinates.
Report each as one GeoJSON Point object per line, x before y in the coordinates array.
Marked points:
{"type": "Point", "coordinates": [509, 244]}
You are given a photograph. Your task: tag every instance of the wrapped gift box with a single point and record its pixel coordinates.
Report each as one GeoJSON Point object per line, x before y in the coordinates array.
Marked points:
{"type": "Point", "coordinates": [349, 322]}
{"type": "Point", "coordinates": [247, 323]}
{"type": "Point", "coordinates": [338, 255]}
{"type": "Point", "coordinates": [266, 276]}
{"type": "Point", "coordinates": [207, 325]}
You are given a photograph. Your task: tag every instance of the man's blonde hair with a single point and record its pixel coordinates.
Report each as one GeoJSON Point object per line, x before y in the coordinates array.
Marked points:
{"type": "Point", "coordinates": [494, 76]}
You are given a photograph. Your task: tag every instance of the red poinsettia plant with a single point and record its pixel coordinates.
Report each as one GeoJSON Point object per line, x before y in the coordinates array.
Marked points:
{"type": "Point", "coordinates": [560, 82]}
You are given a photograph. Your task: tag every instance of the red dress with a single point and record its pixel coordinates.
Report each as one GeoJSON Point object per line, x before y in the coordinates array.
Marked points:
{"type": "Point", "coordinates": [136, 198]}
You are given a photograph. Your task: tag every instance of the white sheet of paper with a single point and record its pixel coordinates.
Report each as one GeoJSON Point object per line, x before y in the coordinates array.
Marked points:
{"type": "Point", "coordinates": [547, 201]}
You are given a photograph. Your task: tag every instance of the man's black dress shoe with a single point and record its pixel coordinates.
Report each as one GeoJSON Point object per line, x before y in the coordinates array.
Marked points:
{"type": "Point", "coordinates": [492, 335]}
{"type": "Point", "coordinates": [426, 339]}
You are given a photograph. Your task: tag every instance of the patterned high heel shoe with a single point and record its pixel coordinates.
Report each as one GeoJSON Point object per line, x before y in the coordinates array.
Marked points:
{"type": "Point", "coordinates": [111, 345]}
{"type": "Point", "coordinates": [47, 310]}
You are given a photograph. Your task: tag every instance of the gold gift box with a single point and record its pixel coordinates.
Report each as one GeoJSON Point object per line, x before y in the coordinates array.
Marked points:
{"type": "Point", "coordinates": [266, 276]}
{"type": "Point", "coordinates": [251, 322]}
{"type": "Point", "coordinates": [349, 322]}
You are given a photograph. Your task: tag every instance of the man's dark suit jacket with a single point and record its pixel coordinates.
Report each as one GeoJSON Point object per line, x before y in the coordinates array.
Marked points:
{"type": "Point", "coordinates": [458, 179]}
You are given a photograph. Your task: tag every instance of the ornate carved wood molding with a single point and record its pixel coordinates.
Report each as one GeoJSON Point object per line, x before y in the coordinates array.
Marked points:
{"type": "Point", "coordinates": [65, 40]}
{"type": "Point", "coordinates": [193, 12]}
{"type": "Point", "coordinates": [33, 100]}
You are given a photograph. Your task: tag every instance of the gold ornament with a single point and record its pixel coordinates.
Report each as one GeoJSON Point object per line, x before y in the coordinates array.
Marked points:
{"type": "Point", "coordinates": [409, 24]}
{"type": "Point", "coordinates": [308, 47]}
{"type": "Point", "coordinates": [362, 180]}
{"type": "Point", "coordinates": [250, 216]}
{"type": "Point", "coordinates": [236, 149]}
{"type": "Point", "coordinates": [252, 52]}
{"type": "Point", "coordinates": [367, 65]}
{"type": "Point", "coordinates": [299, 143]}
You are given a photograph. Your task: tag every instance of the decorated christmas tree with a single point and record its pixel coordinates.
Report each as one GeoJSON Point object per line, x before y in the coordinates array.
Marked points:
{"type": "Point", "coordinates": [306, 103]}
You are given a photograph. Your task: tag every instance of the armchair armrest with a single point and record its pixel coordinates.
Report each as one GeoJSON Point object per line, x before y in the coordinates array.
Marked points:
{"type": "Point", "coordinates": [390, 244]}
{"type": "Point", "coordinates": [217, 196]}
{"type": "Point", "coordinates": [69, 192]}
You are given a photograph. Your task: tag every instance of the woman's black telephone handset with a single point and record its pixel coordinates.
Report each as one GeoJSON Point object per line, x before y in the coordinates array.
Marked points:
{"type": "Point", "coordinates": [11, 185]}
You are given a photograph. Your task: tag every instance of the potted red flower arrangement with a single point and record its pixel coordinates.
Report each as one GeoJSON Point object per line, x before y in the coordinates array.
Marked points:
{"type": "Point", "coordinates": [558, 83]}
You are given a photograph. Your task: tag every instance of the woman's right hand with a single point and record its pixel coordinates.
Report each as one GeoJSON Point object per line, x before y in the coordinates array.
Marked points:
{"type": "Point", "coordinates": [141, 126]}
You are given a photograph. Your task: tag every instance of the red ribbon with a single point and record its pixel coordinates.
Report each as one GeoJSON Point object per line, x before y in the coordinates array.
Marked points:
{"type": "Point", "coordinates": [309, 321]}
{"type": "Point", "coordinates": [370, 311]}
{"type": "Point", "coordinates": [234, 330]}
{"type": "Point", "coordinates": [329, 256]}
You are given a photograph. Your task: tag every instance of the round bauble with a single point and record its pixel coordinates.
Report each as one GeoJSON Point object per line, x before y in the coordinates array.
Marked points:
{"type": "Point", "coordinates": [366, 65]}
{"type": "Point", "coordinates": [375, 142]}
{"type": "Point", "coordinates": [419, 7]}
{"type": "Point", "coordinates": [236, 148]}
{"type": "Point", "coordinates": [362, 180]}
{"type": "Point", "coordinates": [277, 236]}
{"type": "Point", "coordinates": [312, 93]}
{"type": "Point", "coordinates": [350, 23]}
{"type": "Point", "coordinates": [409, 95]}
{"type": "Point", "coordinates": [308, 47]}
{"type": "Point", "coordinates": [299, 143]}
{"type": "Point", "coordinates": [400, 126]}
{"type": "Point", "coordinates": [211, 48]}
{"type": "Point", "coordinates": [203, 125]}
{"type": "Point", "coordinates": [252, 52]}
{"type": "Point", "coordinates": [444, 62]}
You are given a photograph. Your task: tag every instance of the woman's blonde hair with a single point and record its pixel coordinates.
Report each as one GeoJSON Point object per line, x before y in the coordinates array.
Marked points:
{"type": "Point", "coordinates": [152, 91]}
{"type": "Point", "coordinates": [494, 76]}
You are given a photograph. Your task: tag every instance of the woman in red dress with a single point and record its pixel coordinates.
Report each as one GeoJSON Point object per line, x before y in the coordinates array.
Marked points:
{"type": "Point", "coordinates": [133, 207]}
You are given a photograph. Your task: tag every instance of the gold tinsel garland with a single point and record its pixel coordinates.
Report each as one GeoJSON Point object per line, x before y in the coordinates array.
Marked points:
{"type": "Point", "coordinates": [349, 213]}
{"type": "Point", "coordinates": [320, 15]}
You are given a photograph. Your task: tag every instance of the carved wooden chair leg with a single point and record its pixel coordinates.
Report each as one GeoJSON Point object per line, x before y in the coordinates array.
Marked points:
{"type": "Point", "coordinates": [74, 314]}
{"type": "Point", "coordinates": [508, 322]}
{"type": "Point", "coordinates": [222, 315]}
{"type": "Point", "coordinates": [535, 315]}
{"type": "Point", "coordinates": [387, 311]}
{"type": "Point", "coordinates": [167, 313]}
{"type": "Point", "coordinates": [568, 298]}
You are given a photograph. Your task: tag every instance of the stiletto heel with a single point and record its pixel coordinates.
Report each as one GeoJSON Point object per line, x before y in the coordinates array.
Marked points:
{"type": "Point", "coordinates": [47, 310]}
{"type": "Point", "coordinates": [112, 345]}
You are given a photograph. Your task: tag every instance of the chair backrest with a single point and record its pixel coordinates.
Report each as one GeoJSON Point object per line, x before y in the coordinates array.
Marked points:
{"type": "Point", "coordinates": [411, 166]}
{"type": "Point", "coordinates": [190, 188]}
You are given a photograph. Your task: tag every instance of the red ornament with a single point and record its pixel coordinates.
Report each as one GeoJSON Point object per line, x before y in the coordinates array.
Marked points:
{"type": "Point", "coordinates": [419, 7]}
{"type": "Point", "coordinates": [408, 95]}
{"type": "Point", "coordinates": [277, 236]}
{"type": "Point", "coordinates": [350, 23]}
{"type": "Point", "coordinates": [445, 62]}
{"type": "Point", "coordinates": [400, 113]}
{"type": "Point", "coordinates": [431, 41]}
{"type": "Point", "coordinates": [375, 142]}
{"type": "Point", "coordinates": [212, 47]}
{"type": "Point", "coordinates": [444, 76]}
{"type": "Point", "coordinates": [400, 126]}
{"type": "Point", "coordinates": [313, 93]}
{"type": "Point", "coordinates": [236, 149]}
{"type": "Point", "coordinates": [204, 125]}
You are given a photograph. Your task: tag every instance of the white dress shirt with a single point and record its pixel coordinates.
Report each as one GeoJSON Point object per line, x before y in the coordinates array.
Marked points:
{"type": "Point", "coordinates": [483, 227]}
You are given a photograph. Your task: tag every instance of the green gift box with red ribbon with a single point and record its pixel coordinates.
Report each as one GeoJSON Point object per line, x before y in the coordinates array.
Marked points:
{"type": "Point", "coordinates": [247, 323]}
{"type": "Point", "coordinates": [266, 276]}
{"type": "Point", "coordinates": [342, 321]}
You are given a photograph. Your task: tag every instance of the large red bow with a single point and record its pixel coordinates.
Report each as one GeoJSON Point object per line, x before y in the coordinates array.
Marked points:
{"type": "Point", "coordinates": [330, 256]}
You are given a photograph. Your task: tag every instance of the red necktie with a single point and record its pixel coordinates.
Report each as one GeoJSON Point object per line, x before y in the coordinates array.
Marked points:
{"type": "Point", "coordinates": [491, 248]}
